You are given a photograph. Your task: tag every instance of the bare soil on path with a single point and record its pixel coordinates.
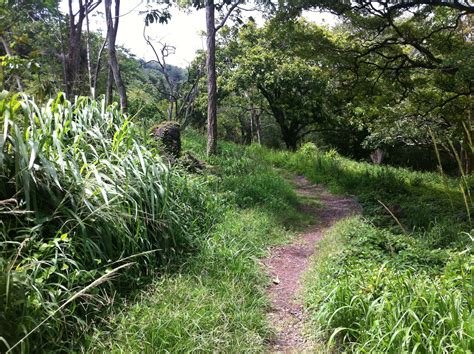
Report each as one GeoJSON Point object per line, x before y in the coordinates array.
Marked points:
{"type": "Point", "coordinates": [286, 264]}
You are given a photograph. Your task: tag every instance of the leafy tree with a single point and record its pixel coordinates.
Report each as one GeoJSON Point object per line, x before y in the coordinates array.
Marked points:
{"type": "Point", "coordinates": [287, 72]}
{"type": "Point", "coordinates": [412, 72]}
{"type": "Point", "coordinates": [28, 46]}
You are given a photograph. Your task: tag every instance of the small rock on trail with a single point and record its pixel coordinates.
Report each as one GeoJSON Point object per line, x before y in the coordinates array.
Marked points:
{"type": "Point", "coordinates": [288, 263]}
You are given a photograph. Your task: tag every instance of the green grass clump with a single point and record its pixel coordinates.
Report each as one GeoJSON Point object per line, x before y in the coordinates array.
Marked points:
{"type": "Point", "coordinates": [214, 299]}
{"type": "Point", "coordinates": [247, 180]}
{"type": "Point", "coordinates": [378, 301]}
{"type": "Point", "coordinates": [82, 194]}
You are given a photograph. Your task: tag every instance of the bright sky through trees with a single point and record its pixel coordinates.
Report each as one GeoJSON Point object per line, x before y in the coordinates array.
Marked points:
{"type": "Point", "coordinates": [183, 30]}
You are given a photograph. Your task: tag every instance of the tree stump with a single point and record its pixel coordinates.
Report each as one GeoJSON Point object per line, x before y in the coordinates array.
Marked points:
{"type": "Point", "coordinates": [169, 137]}
{"type": "Point", "coordinates": [377, 156]}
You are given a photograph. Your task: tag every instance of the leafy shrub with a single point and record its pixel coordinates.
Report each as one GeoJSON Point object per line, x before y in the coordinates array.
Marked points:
{"type": "Point", "coordinates": [81, 196]}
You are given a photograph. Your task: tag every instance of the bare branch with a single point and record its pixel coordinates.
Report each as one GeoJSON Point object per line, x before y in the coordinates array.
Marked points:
{"type": "Point", "coordinates": [229, 11]}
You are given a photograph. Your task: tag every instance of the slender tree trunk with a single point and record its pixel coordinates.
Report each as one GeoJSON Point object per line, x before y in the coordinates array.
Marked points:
{"type": "Point", "coordinates": [211, 79]}
{"type": "Point", "coordinates": [170, 110]}
{"type": "Point", "coordinates": [97, 70]}
{"type": "Point", "coordinates": [467, 148]}
{"type": "Point", "coordinates": [88, 51]}
{"type": "Point", "coordinates": [10, 54]}
{"type": "Point", "coordinates": [176, 109]}
{"type": "Point", "coordinates": [112, 27]}
{"type": "Point", "coordinates": [63, 55]}
{"type": "Point", "coordinates": [258, 128]}
{"type": "Point", "coordinates": [252, 115]}
{"type": "Point", "coordinates": [110, 86]}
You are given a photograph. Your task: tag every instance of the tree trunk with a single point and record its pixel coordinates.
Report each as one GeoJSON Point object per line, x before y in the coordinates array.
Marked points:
{"type": "Point", "coordinates": [110, 86]}
{"type": "Point", "coordinates": [289, 134]}
{"type": "Point", "coordinates": [245, 130]}
{"type": "Point", "coordinates": [63, 55]}
{"type": "Point", "coordinates": [72, 63]}
{"type": "Point", "coordinates": [211, 80]}
{"type": "Point", "coordinates": [176, 109]}
{"type": "Point", "coordinates": [252, 114]}
{"type": "Point", "coordinates": [112, 27]}
{"type": "Point", "coordinates": [97, 71]}
{"type": "Point", "coordinates": [290, 142]}
{"type": "Point", "coordinates": [74, 51]}
{"type": "Point", "coordinates": [467, 147]}
{"type": "Point", "coordinates": [258, 128]}
{"type": "Point", "coordinates": [88, 52]}
{"type": "Point", "coordinates": [170, 109]}
{"type": "Point", "coordinates": [289, 137]}
{"type": "Point", "coordinates": [377, 156]}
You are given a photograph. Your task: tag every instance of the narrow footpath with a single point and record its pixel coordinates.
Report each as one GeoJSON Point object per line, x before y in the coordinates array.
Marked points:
{"type": "Point", "coordinates": [286, 264]}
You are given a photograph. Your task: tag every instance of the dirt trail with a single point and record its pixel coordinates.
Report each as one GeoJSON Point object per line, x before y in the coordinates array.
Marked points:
{"type": "Point", "coordinates": [286, 264]}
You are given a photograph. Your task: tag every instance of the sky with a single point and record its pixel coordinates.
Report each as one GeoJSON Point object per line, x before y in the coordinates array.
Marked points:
{"type": "Point", "coordinates": [183, 31]}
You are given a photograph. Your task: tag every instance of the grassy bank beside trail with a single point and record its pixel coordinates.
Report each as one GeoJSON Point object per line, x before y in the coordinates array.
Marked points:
{"type": "Point", "coordinates": [399, 278]}
{"type": "Point", "coordinates": [91, 214]}
{"type": "Point", "coordinates": [214, 299]}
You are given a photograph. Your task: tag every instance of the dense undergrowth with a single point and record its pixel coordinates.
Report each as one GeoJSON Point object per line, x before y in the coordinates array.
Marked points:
{"type": "Point", "coordinates": [90, 213]}
{"type": "Point", "coordinates": [84, 202]}
{"type": "Point", "coordinates": [398, 279]}
{"type": "Point", "coordinates": [214, 299]}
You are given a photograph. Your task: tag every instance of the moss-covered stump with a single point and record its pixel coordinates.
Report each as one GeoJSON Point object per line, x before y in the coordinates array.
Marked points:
{"type": "Point", "coordinates": [168, 136]}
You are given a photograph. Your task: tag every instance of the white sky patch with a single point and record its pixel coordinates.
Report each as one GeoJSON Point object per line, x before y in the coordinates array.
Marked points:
{"type": "Point", "coordinates": [184, 30]}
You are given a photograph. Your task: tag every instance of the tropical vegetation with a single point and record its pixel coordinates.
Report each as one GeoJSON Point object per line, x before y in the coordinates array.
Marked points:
{"type": "Point", "coordinates": [110, 243]}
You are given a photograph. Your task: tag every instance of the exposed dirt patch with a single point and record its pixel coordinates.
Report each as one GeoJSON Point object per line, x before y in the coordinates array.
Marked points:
{"type": "Point", "coordinates": [286, 264]}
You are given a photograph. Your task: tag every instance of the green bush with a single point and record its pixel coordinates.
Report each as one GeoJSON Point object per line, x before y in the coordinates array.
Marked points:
{"type": "Point", "coordinates": [81, 195]}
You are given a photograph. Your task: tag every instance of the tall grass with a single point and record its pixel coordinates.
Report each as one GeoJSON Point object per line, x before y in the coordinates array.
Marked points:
{"type": "Point", "coordinates": [420, 200]}
{"type": "Point", "coordinates": [399, 279]}
{"type": "Point", "coordinates": [214, 301]}
{"type": "Point", "coordinates": [412, 300]}
{"type": "Point", "coordinates": [80, 194]}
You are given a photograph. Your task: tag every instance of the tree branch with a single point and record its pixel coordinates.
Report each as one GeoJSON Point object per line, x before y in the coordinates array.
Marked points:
{"type": "Point", "coordinates": [229, 11]}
